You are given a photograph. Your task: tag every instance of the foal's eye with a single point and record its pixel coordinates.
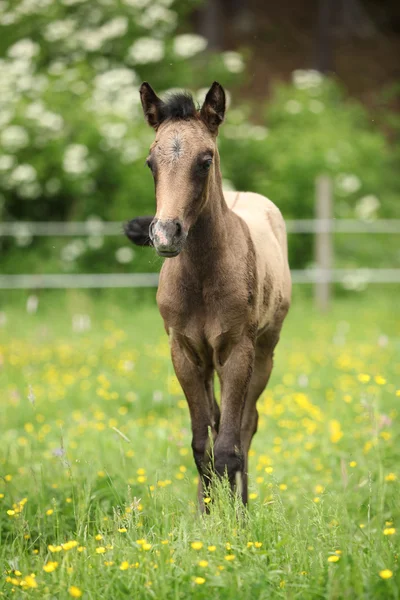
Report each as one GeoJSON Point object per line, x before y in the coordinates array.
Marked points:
{"type": "Point", "coordinates": [206, 164]}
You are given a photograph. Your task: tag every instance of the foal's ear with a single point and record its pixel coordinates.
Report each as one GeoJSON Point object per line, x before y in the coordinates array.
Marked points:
{"type": "Point", "coordinates": [151, 104]}
{"type": "Point", "coordinates": [213, 110]}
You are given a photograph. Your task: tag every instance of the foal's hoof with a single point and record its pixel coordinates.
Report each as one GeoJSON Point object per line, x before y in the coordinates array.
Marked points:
{"type": "Point", "coordinates": [229, 463]}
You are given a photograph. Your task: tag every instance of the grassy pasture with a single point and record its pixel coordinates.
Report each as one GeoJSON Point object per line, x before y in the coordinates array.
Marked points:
{"type": "Point", "coordinates": [97, 482]}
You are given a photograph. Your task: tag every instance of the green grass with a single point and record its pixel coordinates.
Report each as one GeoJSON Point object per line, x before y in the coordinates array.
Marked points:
{"type": "Point", "coordinates": [95, 435]}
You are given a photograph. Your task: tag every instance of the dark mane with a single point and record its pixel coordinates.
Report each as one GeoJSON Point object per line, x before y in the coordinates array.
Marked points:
{"type": "Point", "coordinates": [178, 106]}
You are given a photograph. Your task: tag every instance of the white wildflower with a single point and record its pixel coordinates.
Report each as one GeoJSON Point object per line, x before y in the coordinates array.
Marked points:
{"type": "Point", "coordinates": [75, 159]}
{"type": "Point", "coordinates": [30, 190]}
{"type": "Point", "coordinates": [25, 49]}
{"type": "Point", "coordinates": [367, 207]}
{"type": "Point", "coordinates": [81, 323]}
{"type": "Point", "coordinates": [157, 15]}
{"type": "Point", "coordinates": [145, 50]}
{"type": "Point", "coordinates": [189, 44]}
{"type": "Point", "coordinates": [305, 80]}
{"type": "Point", "coordinates": [32, 304]}
{"type": "Point", "coordinates": [293, 107]}
{"type": "Point", "coordinates": [23, 174]}
{"type": "Point", "coordinates": [73, 250]}
{"type": "Point", "coordinates": [6, 162]}
{"type": "Point", "coordinates": [59, 30]}
{"type": "Point", "coordinates": [347, 184]}
{"type": "Point", "coordinates": [137, 3]}
{"type": "Point", "coordinates": [233, 61]}
{"type": "Point", "coordinates": [14, 138]}
{"type": "Point", "coordinates": [124, 255]}
{"type": "Point", "coordinates": [95, 242]}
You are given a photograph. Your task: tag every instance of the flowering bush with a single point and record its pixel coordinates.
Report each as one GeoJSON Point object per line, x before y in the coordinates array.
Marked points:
{"type": "Point", "coordinates": [73, 139]}
{"type": "Point", "coordinates": [310, 128]}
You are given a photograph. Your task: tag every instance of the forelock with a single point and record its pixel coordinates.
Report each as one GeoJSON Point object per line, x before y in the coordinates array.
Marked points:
{"type": "Point", "coordinates": [179, 106]}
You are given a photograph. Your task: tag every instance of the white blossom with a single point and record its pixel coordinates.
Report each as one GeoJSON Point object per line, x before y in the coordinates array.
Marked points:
{"type": "Point", "coordinates": [59, 30]}
{"type": "Point", "coordinates": [14, 138]}
{"type": "Point", "coordinates": [145, 50]}
{"type": "Point", "coordinates": [157, 15]}
{"type": "Point", "coordinates": [293, 107]}
{"type": "Point", "coordinates": [347, 183]}
{"type": "Point", "coordinates": [6, 162]}
{"type": "Point", "coordinates": [124, 255]}
{"type": "Point", "coordinates": [23, 174]}
{"type": "Point", "coordinates": [367, 207]}
{"type": "Point", "coordinates": [305, 80]}
{"type": "Point", "coordinates": [75, 159]}
{"type": "Point", "coordinates": [25, 49]}
{"type": "Point", "coordinates": [189, 44]}
{"type": "Point", "coordinates": [233, 61]}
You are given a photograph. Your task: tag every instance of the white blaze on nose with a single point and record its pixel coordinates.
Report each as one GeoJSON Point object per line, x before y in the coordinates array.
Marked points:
{"type": "Point", "coordinates": [162, 238]}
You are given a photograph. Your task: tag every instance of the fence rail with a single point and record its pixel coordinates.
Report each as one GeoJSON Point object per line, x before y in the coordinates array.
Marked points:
{"type": "Point", "coordinates": [322, 276]}
{"type": "Point", "coordinates": [113, 228]}
{"type": "Point", "coordinates": [138, 280]}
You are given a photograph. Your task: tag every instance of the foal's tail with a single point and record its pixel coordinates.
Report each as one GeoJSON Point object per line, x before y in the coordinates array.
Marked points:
{"type": "Point", "coordinates": [137, 230]}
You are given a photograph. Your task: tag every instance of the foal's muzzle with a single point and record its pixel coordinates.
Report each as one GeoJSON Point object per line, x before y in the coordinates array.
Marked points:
{"type": "Point", "coordinates": [168, 237]}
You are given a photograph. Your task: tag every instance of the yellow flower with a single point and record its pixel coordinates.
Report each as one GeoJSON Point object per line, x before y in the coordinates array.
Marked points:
{"type": "Point", "coordinates": [50, 566]}
{"type": "Point", "coordinates": [75, 592]}
{"type": "Point", "coordinates": [250, 544]}
{"type": "Point", "coordinates": [335, 431]}
{"type": "Point", "coordinates": [98, 537]}
{"type": "Point", "coordinates": [361, 525]}
{"type": "Point", "coordinates": [81, 548]}
{"type": "Point", "coordinates": [389, 531]}
{"type": "Point", "coordinates": [100, 550]}
{"type": "Point", "coordinates": [363, 377]}
{"type": "Point", "coordinates": [54, 548]}
{"type": "Point", "coordinates": [8, 478]}
{"type": "Point", "coordinates": [258, 544]}
{"type": "Point", "coordinates": [211, 548]}
{"type": "Point", "coordinates": [49, 512]}
{"type": "Point", "coordinates": [283, 487]}
{"type": "Point", "coordinates": [199, 580]}
{"type": "Point", "coordinates": [352, 464]}
{"type": "Point", "coordinates": [253, 496]}
{"type": "Point", "coordinates": [30, 581]}
{"type": "Point", "coordinates": [386, 574]}
{"type": "Point", "coordinates": [334, 558]}
{"type": "Point", "coordinates": [269, 470]}
{"type": "Point", "coordinates": [230, 557]}
{"type": "Point", "coordinates": [1, 496]}
{"type": "Point", "coordinates": [122, 530]}
{"type": "Point", "coordinates": [391, 477]}
{"type": "Point", "coordinates": [207, 500]}
{"type": "Point", "coordinates": [11, 513]}
{"type": "Point", "coordinates": [319, 489]}
{"type": "Point", "coordinates": [69, 545]}
{"type": "Point", "coordinates": [316, 499]}
{"type": "Point", "coordinates": [124, 565]}
{"type": "Point", "coordinates": [146, 546]}
{"type": "Point", "coordinates": [203, 563]}
{"type": "Point", "coordinates": [197, 545]}
{"type": "Point", "coordinates": [380, 380]}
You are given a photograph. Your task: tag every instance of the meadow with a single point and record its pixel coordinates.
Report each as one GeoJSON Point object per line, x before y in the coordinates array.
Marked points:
{"type": "Point", "coordinates": [98, 484]}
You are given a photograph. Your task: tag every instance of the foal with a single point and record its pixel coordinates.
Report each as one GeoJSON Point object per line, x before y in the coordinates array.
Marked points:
{"type": "Point", "coordinates": [225, 291]}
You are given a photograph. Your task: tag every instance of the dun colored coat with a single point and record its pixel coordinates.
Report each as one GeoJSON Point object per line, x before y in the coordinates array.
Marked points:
{"type": "Point", "coordinates": [224, 290]}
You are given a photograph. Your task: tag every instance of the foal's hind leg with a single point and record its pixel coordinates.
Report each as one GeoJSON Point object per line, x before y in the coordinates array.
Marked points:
{"type": "Point", "coordinates": [259, 380]}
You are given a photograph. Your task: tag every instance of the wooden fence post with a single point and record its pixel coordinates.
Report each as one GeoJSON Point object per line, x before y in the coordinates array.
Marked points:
{"type": "Point", "coordinates": [323, 241]}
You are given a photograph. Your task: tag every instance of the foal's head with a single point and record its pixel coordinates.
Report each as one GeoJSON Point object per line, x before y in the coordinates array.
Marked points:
{"type": "Point", "coordinates": [183, 160]}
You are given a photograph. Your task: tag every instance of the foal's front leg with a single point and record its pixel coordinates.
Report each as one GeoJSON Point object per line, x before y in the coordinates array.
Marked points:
{"type": "Point", "coordinates": [195, 377]}
{"type": "Point", "coordinates": [235, 367]}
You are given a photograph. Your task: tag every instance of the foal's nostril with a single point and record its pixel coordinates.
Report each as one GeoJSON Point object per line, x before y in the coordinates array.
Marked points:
{"type": "Point", "coordinates": [178, 230]}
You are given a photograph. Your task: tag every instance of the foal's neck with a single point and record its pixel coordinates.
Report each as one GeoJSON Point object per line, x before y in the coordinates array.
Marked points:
{"type": "Point", "coordinates": [209, 234]}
